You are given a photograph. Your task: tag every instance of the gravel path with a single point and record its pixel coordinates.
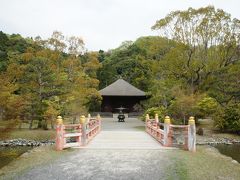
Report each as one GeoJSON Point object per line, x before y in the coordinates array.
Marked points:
{"type": "Point", "coordinates": [105, 164]}
{"type": "Point", "coordinates": [120, 151]}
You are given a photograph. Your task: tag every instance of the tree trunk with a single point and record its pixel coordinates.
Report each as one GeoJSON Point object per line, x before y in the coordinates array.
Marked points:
{"type": "Point", "coordinates": [45, 125]}
{"type": "Point", "coordinates": [52, 124]}
{"type": "Point", "coordinates": [31, 123]}
{"type": "Point", "coordinates": [39, 123]}
{"type": "Point", "coordinates": [1, 113]}
{"type": "Point", "coordinates": [184, 119]}
{"type": "Point", "coordinates": [20, 124]}
{"type": "Point", "coordinates": [77, 119]}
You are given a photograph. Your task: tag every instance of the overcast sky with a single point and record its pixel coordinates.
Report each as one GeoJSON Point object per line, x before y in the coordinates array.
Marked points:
{"type": "Point", "coordinates": [103, 24]}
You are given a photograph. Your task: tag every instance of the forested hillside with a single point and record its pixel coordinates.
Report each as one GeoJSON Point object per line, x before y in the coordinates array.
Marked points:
{"type": "Point", "coordinates": [41, 79]}
{"type": "Point", "coordinates": [191, 68]}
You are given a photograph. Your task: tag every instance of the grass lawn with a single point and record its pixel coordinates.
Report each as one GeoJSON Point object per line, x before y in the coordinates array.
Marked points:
{"type": "Point", "coordinates": [206, 163]}
{"type": "Point", "coordinates": [36, 134]}
{"type": "Point", "coordinates": [209, 130]}
{"type": "Point", "coordinates": [226, 135]}
{"type": "Point", "coordinates": [37, 156]}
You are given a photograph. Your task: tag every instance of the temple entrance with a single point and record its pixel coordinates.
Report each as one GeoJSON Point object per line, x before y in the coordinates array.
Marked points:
{"type": "Point", "coordinates": [121, 94]}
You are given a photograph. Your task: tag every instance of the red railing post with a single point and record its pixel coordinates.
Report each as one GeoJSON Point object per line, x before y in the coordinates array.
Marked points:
{"type": "Point", "coordinates": [99, 122]}
{"type": "Point", "coordinates": [60, 134]}
{"type": "Point", "coordinates": [191, 134]}
{"type": "Point", "coordinates": [185, 132]}
{"type": "Point", "coordinates": [156, 119]}
{"type": "Point", "coordinates": [167, 140]}
{"type": "Point", "coordinates": [146, 122]}
{"type": "Point", "coordinates": [84, 132]}
{"type": "Point", "coordinates": [78, 138]}
{"type": "Point", "coordinates": [88, 118]}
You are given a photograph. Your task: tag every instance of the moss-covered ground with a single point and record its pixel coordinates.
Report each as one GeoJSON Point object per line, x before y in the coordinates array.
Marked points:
{"type": "Point", "coordinates": [35, 157]}
{"type": "Point", "coordinates": [206, 163]}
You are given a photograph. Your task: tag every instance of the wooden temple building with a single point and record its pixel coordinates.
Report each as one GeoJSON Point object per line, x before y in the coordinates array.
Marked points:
{"type": "Point", "coordinates": [120, 94]}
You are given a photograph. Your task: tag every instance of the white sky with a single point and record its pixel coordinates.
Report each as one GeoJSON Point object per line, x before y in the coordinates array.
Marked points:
{"type": "Point", "coordinates": [103, 24]}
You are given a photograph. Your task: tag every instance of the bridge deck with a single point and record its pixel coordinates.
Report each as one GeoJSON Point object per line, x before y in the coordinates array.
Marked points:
{"type": "Point", "coordinates": [123, 135]}
{"type": "Point", "coordinates": [130, 124]}
{"type": "Point", "coordinates": [124, 140]}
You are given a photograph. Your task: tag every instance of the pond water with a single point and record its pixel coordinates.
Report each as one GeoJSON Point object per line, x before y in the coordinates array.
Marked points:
{"type": "Point", "coordinates": [232, 150]}
{"type": "Point", "coordinates": [8, 154]}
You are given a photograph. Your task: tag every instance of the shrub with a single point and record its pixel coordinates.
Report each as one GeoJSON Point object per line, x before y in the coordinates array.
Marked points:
{"type": "Point", "coordinates": [207, 106]}
{"type": "Point", "coordinates": [200, 131]}
{"type": "Point", "coordinates": [161, 111]}
{"type": "Point", "coordinates": [182, 107]}
{"type": "Point", "coordinates": [228, 118]}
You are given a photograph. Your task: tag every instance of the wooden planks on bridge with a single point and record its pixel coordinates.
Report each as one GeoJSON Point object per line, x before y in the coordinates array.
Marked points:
{"type": "Point", "coordinates": [124, 140]}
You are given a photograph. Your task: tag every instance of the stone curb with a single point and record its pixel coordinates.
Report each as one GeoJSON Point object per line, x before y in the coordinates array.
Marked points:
{"type": "Point", "coordinates": [25, 142]}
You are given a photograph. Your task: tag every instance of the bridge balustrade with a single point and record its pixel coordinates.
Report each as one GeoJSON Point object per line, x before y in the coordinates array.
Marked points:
{"type": "Point", "coordinates": [81, 133]}
{"type": "Point", "coordinates": [165, 132]}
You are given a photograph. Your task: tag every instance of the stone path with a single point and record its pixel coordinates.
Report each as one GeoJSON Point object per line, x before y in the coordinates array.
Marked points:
{"type": "Point", "coordinates": [121, 151]}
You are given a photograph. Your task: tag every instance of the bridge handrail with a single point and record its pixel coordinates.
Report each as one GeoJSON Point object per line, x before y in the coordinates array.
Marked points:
{"type": "Point", "coordinates": [71, 125]}
{"type": "Point", "coordinates": [93, 128]}
{"type": "Point", "coordinates": [165, 136]}
{"type": "Point", "coordinates": [179, 126]}
{"type": "Point", "coordinates": [153, 129]}
{"type": "Point", "coordinates": [82, 135]}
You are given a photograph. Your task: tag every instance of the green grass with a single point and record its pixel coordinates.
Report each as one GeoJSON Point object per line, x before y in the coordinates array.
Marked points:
{"type": "Point", "coordinates": [209, 130]}
{"type": "Point", "coordinates": [177, 170]}
{"type": "Point", "coordinates": [37, 156]}
{"type": "Point", "coordinates": [205, 123]}
{"type": "Point", "coordinates": [36, 134]}
{"type": "Point", "coordinates": [25, 124]}
{"type": "Point", "coordinates": [206, 163]}
{"type": "Point", "coordinates": [227, 135]}
{"type": "Point", "coordinates": [15, 124]}
{"type": "Point", "coordinates": [14, 132]}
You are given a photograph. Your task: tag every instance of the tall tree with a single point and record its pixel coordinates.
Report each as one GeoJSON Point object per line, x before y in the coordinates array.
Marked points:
{"type": "Point", "coordinates": [209, 39]}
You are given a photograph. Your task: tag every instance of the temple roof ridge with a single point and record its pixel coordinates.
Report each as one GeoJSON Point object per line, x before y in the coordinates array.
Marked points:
{"type": "Point", "coordinates": [121, 88]}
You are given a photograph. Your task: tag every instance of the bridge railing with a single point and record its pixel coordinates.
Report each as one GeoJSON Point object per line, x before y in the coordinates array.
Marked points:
{"type": "Point", "coordinates": [93, 127]}
{"type": "Point", "coordinates": [154, 129]}
{"type": "Point", "coordinates": [165, 132]}
{"type": "Point", "coordinates": [82, 133]}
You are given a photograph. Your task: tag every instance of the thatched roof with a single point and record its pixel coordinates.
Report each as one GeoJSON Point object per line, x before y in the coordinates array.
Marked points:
{"type": "Point", "coordinates": [121, 88]}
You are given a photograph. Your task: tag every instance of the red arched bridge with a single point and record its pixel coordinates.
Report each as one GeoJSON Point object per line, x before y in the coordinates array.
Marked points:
{"type": "Point", "coordinates": [123, 136]}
